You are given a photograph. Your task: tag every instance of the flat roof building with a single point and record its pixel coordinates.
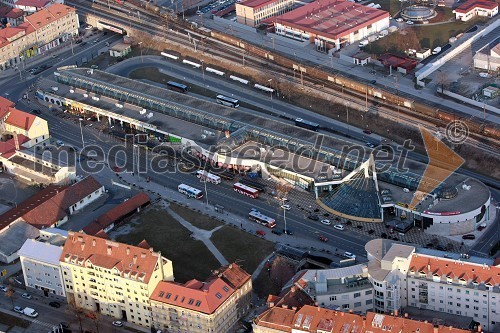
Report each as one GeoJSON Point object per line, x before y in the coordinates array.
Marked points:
{"type": "Point", "coordinates": [331, 24]}
{"type": "Point", "coordinates": [253, 12]}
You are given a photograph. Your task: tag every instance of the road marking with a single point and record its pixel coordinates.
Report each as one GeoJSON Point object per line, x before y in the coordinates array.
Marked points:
{"type": "Point", "coordinates": [41, 323]}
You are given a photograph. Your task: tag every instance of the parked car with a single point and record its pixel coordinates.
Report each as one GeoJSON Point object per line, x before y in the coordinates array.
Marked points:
{"type": "Point", "coordinates": [36, 111]}
{"type": "Point", "coordinates": [277, 232]}
{"type": "Point", "coordinates": [26, 295]}
{"type": "Point", "coordinates": [349, 255]}
{"type": "Point", "coordinates": [469, 236]}
{"type": "Point", "coordinates": [313, 217]}
{"type": "Point", "coordinates": [94, 67]}
{"type": "Point", "coordinates": [30, 312]}
{"type": "Point", "coordinates": [288, 231]}
{"type": "Point", "coordinates": [54, 304]}
{"type": "Point", "coordinates": [370, 145]}
{"type": "Point", "coordinates": [260, 232]}
{"type": "Point", "coordinates": [286, 207]}
{"type": "Point", "coordinates": [409, 22]}
{"type": "Point", "coordinates": [326, 222]}
{"type": "Point", "coordinates": [481, 227]}
{"type": "Point", "coordinates": [117, 323]}
{"type": "Point", "coordinates": [323, 238]}
{"type": "Point", "coordinates": [83, 44]}
{"type": "Point", "coordinates": [339, 227]}
{"type": "Point", "coordinates": [18, 309]}
{"type": "Point", "coordinates": [3, 288]}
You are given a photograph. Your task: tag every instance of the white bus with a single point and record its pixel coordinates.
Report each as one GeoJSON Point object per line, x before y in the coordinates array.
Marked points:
{"type": "Point", "coordinates": [227, 101]}
{"type": "Point", "coordinates": [260, 218]}
{"type": "Point", "coordinates": [189, 191]}
{"type": "Point", "coordinates": [208, 177]}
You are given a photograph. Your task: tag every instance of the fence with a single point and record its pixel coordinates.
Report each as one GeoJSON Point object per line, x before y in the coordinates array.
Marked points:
{"type": "Point", "coordinates": [468, 100]}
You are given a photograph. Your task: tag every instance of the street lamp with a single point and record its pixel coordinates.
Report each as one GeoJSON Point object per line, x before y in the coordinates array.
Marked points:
{"type": "Point", "coordinates": [140, 45]}
{"type": "Point", "coordinates": [81, 132]}
{"type": "Point", "coordinates": [284, 215]}
{"type": "Point", "coordinates": [202, 70]}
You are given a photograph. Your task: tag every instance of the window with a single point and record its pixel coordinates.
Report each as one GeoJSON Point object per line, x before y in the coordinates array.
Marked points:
{"type": "Point", "coordinates": [218, 295]}
{"type": "Point", "coordinates": [333, 298]}
{"type": "Point", "coordinates": [369, 301]}
{"type": "Point", "coordinates": [357, 304]}
{"type": "Point", "coordinates": [368, 292]}
{"type": "Point", "coordinates": [356, 295]}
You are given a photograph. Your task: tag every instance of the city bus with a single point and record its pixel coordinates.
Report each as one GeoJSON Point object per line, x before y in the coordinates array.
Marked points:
{"type": "Point", "coordinates": [207, 176]}
{"type": "Point", "coordinates": [306, 124]}
{"type": "Point", "coordinates": [189, 191]}
{"type": "Point", "coordinates": [227, 101]}
{"type": "Point", "coordinates": [259, 187]}
{"type": "Point", "coordinates": [260, 218]}
{"type": "Point", "coordinates": [177, 87]}
{"type": "Point", "coordinates": [246, 190]}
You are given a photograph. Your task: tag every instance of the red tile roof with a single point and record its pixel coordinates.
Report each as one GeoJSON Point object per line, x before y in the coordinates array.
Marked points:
{"type": "Point", "coordinates": [9, 146]}
{"type": "Point", "coordinates": [472, 4]}
{"type": "Point", "coordinates": [144, 244]}
{"type": "Point", "coordinates": [123, 209]}
{"type": "Point", "coordinates": [256, 3]}
{"type": "Point", "coordinates": [5, 104]}
{"type": "Point", "coordinates": [20, 119]}
{"type": "Point", "coordinates": [331, 19]}
{"type": "Point", "coordinates": [48, 15]}
{"type": "Point", "coordinates": [132, 262]}
{"type": "Point", "coordinates": [30, 204]}
{"type": "Point", "coordinates": [14, 13]}
{"type": "Point", "coordinates": [32, 3]}
{"type": "Point", "coordinates": [233, 274]}
{"type": "Point", "coordinates": [50, 205]}
{"type": "Point", "coordinates": [53, 210]}
{"type": "Point", "coordinates": [466, 272]}
{"type": "Point", "coordinates": [204, 297]}
{"type": "Point", "coordinates": [315, 319]}
{"type": "Point", "coordinates": [93, 228]}
{"type": "Point", "coordinates": [102, 234]}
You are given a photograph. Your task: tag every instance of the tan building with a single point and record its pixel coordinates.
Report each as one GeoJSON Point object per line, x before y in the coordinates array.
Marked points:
{"type": "Point", "coordinates": [253, 12]}
{"type": "Point", "coordinates": [112, 278]}
{"type": "Point", "coordinates": [201, 307]}
{"type": "Point", "coordinates": [40, 32]}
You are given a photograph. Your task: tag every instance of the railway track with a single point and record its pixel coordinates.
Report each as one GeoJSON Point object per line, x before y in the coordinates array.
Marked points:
{"type": "Point", "coordinates": [234, 54]}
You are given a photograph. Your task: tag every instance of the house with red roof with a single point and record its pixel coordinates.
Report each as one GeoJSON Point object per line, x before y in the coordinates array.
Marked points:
{"type": "Point", "coordinates": [114, 279]}
{"type": "Point", "coordinates": [26, 124]}
{"type": "Point", "coordinates": [210, 306]}
{"type": "Point", "coordinates": [472, 8]}
{"type": "Point", "coordinates": [51, 206]}
{"type": "Point", "coordinates": [330, 24]}
{"type": "Point", "coordinates": [13, 16]}
{"type": "Point", "coordinates": [31, 6]}
{"type": "Point", "coordinates": [40, 31]}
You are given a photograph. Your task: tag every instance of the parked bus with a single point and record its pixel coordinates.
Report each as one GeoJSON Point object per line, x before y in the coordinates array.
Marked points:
{"type": "Point", "coordinates": [177, 87]}
{"type": "Point", "coordinates": [207, 176]}
{"type": "Point", "coordinates": [260, 218]}
{"type": "Point", "coordinates": [306, 124]}
{"type": "Point", "coordinates": [190, 192]}
{"type": "Point", "coordinates": [227, 101]}
{"type": "Point", "coordinates": [246, 190]}
{"type": "Point", "coordinates": [259, 187]}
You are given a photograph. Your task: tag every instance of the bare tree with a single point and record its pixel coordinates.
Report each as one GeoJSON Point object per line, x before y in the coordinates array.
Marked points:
{"type": "Point", "coordinates": [443, 79]}
{"type": "Point", "coordinates": [10, 294]}
{"type": "Point", "coordinates": [95, 317]}
{"type": "Point", "coordinates": [79, 313]}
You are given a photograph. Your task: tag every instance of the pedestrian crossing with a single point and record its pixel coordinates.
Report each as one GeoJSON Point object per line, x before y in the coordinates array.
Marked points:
{"type": "Point", "coordinates": [42, 323]}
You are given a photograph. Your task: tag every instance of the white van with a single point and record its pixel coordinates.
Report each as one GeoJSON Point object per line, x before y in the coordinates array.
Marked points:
{"type": "Point", "coordinates": [30, 312]}
{"type": "Point", "coordinates": [363, 43]}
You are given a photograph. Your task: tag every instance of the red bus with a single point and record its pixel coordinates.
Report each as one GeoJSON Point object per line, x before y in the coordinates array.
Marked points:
{"type": "Point", "coordinates": [246, 190]}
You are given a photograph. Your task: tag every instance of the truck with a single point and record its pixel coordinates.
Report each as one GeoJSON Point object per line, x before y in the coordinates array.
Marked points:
{"type": "Point", "coordinates": [30, 312]}
{"type": "Point", "coordinates": [436, 50]}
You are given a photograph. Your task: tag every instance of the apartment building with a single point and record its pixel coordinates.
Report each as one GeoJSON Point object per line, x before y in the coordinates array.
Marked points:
{"type": "Point", "coordinates": [41, 31]}
{"type": "Point", "coordinates": [345, 288]}
{"type": "Point", "coordinates": [112, 278]}
{"type": "Point", "coordinates": [40, 264]}
{"type": "Point", "coordinates": [311, 319]}
{"type": "Point", "coordinates": [253, 12]}
{"type": "Point", "coordinates": [387, 268]}
{"type": "Point", "coordinates": [199, 307]}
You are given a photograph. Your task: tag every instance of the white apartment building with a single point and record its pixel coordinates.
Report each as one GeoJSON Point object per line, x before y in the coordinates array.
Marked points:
{"type": "Point", "coordinates": [112, 278]}
{"type": "Point", "coordinates": [345, 288]}
{"type": "Point", "coordinates": [456, 284]}
{"type": "Point", "coordinates": [41, 269]}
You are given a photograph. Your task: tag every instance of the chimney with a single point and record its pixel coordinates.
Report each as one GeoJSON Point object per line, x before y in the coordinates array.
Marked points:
{"type": "Point", "coordinates": [135, 259]}
{"type": "Point", "coordinates": [16, 140]}
{"type": "Point", "coordinates": [109, 250]}
{"type": "Point", "coordinates": [292, 289]}
{"type": "Point", "coordinates": [127, 250]}
{"type": "Point", "coordinates": [479, 328]}
{"type": "Point", "coordinates": [271, 304]}
{"type": "Point", "coordinates": [93, 242]}
{"type": "Point", "coordinates": [342, 314]}
{"type": "Point", "coordinates": [143, 255]}
{"type": "Point", "coordinates": [83, 246]}
{"type": "Point", "coordinates": [436, 329]}
{"type": "Point", "coordinates": [406, 315]}
{"type": "Point", "coordinates": [294, 308]}
{"type": "Point", "coordinates": [396, 312]}
{"type": "Point", "coordinates": [151, 249]}
{"type": "Point", "coordinates": [284, 306]}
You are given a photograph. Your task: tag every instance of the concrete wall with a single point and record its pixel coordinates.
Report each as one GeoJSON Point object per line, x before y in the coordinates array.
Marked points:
{"type": "Point", "coordinates": [469, 101]}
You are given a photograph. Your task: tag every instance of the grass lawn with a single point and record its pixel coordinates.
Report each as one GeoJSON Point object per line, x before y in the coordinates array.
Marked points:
{"type": "Point", "coordinates": [391, 6]}
{"type": "Point", "coordinates": [12, 321]}
{"type": "Point", "coordinates": [153, 74]}
{"type": "Point", "coordinates": [241, 247]}
{"type": "Point", "coordinates": [191, 258]}
{"type": "Point", "coordinates": [195, 218]}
